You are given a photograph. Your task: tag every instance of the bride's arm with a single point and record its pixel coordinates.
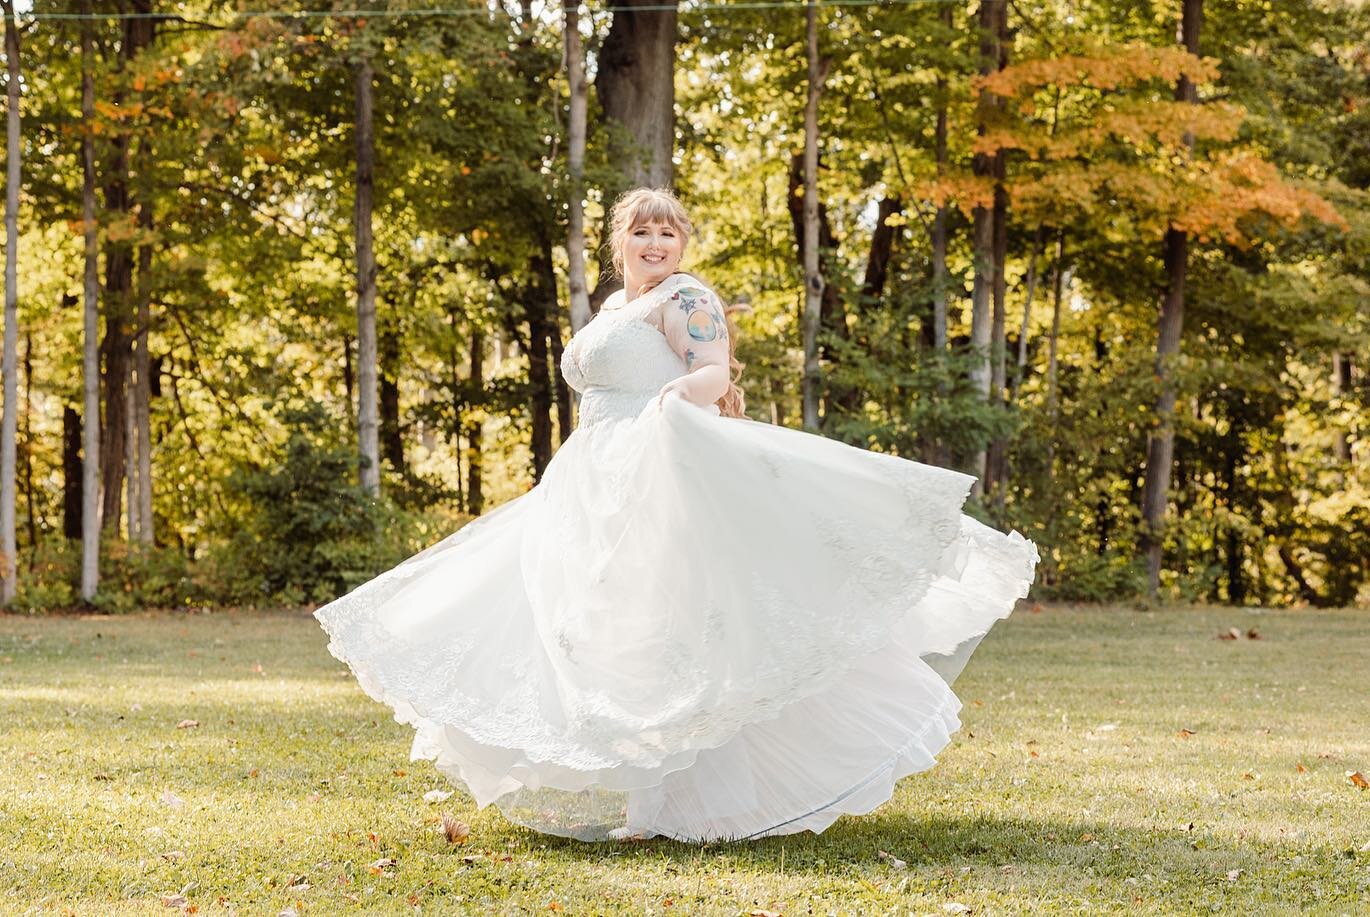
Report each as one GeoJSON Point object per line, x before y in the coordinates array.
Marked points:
{"type": "Point", "coordinates": [692, 319]}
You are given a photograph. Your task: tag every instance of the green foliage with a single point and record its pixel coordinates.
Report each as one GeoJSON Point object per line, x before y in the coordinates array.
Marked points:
{"type": "Point", "coordinates": [304, 530]}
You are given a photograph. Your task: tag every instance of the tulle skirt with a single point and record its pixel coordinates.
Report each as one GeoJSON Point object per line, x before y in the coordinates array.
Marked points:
{"type": "Point", "coordinates": [699, 627]}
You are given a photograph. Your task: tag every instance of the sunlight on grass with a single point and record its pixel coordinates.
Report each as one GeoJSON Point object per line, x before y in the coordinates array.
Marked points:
{"type": "Point", "coordinates": [1111, 760]}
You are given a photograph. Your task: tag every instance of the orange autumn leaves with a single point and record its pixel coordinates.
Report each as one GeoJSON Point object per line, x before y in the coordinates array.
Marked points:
{"type": "Point", "coordinates": [1101, 136]}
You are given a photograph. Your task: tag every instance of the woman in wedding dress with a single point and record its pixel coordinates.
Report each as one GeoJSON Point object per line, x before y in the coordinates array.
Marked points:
{"type": "Point", "coordinates": [696, 625]}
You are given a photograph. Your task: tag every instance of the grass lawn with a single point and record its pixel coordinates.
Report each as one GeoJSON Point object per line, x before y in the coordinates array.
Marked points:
{"type": "Point", "coordinates": [1111, 760]}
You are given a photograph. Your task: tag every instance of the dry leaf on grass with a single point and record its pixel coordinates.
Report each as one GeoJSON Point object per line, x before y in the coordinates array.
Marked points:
{"type": "Point", "coordinates": [1186, 733]}
{"type": "Point", "coordinates": [437, 796]}
{"type": "Point", "coordinates": [455, 831]}
{"type": "Point", "coordinates": [187, 724]}
{"type": "Point", "coordinates": [1300, 768]}
{"type": "Point", "coordinates": [1357, 780]}
{"type": "Point", "coordinates": [1230, 634]}
{"type": "Point", "coordinates": [171, 799]}
{"type": "Point", "coordinates": [893, 860]}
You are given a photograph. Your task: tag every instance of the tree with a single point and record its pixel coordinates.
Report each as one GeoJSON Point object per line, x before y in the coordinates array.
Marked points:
{"type": "Point", "coordinates": [90, 465]}
{"type": "Point", "coordinates": [9, 425]}
{"type": "Point", "coordinates": [1160, 447]}
{"type": "Point", "coordinates": [813, 278]}
{"type": "Point", "coordinates": [368, 422]}
{"type": "Point", "coordinates": [575, 155]}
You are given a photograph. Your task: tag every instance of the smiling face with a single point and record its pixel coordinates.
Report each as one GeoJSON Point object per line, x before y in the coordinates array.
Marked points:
{"type": "Point", "coordinates": [649, 233]}
{"type": "Point", "coordinates": [651, 253]}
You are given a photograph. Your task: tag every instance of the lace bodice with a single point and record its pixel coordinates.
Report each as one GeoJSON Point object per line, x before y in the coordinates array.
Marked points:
{"type": "Point", "coordinates": [620, 360]}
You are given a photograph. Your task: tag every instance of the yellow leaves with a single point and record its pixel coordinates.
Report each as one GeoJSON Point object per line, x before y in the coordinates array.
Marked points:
{"type": "Point", "coordinates": [1357, 780]}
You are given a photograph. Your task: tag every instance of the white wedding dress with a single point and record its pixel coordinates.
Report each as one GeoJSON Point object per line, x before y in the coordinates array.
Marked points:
{"type": "Point", "coordinates": [694, 626]}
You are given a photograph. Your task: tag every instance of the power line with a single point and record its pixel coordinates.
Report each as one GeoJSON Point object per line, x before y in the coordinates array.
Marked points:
{"type": "Point", "coordinates": [711, 6]}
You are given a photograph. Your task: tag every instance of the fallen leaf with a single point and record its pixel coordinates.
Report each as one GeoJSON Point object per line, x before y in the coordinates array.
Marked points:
{"type": "Point", "coordinates": [1300, 768]}
{"type": "Point", "coordinates": [456, 831]}
{"type": "Point", "coordinates": [171, 799]}
{"type": "Point", "coordinates": [313, 797]}
{"type": "Point", "coordinates": [761, 912]}
{"type": "Point", "coordinates": [1247, 775]}
{"type": "Point", "coordinates": [298, 884]}
{"type": "Point", "coordinates": [173, 855]}
{"type": "Point", "coordinates": [399, 773]}
{"type": "Point", "coordinates": [383, 863]}
{"type": "Point", "coordinates": [1232, 874]}
{"type": "Point", "coordinates": [413, 899]}
{"type": "Point", "coordinates": [894, 861]}
{"type": "Point", "coordinates": [187, 724]}
{"type": "Point", "coordinates": [1357, 780]}
{"type": "Point", "coordinates": [955, 907]}
{"type": "Point", "coordinates": [177, 901]}
{"type": "Point", "coordinates": [1186, 733]}
{"type": "Point", "coordinates": [1230, 634]}
{"type": "Point", "coordinates": [437, 795]}
{"type": "Point", "coordinates": [553, 906]}
{"type": "Point", "coordinates": [1253, 634]}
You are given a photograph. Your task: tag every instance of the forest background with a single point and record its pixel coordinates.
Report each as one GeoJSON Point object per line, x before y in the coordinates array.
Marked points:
{"type": "Point", "coordinates": [312, 268]}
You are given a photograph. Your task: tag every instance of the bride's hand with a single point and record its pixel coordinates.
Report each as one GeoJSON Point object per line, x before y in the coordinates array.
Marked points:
{"type": "Point", "coordinates": [675, 387]}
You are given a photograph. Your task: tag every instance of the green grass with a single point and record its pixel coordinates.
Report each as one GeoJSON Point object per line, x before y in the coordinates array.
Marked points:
{"type": "Point", "coordinates": [1069, 789]}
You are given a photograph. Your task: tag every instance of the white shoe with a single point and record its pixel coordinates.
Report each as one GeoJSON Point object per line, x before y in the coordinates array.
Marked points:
{"type": "Point", "coordinates": [626, 834]}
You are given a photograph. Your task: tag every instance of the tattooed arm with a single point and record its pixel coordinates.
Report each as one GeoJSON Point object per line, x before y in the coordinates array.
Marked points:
{"type": "Point", "coordinates": [692, 319]}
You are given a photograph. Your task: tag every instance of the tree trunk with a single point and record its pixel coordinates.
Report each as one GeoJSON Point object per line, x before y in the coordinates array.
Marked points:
{"type": "Point", "coordinates": [141, 508]}
{"type": "Point", "coordinates": [9, 425]}
{"type": "Point", "coordinates": [1161, 443]}
{"type": "Point", "coordinates": [31, 512]}
{"type": "Point", "coordinates": [90, 363]}
{"type": "Point", "coordinates": [635, 81]}
{"type": "Point", "coordinates": [1039, 241]}
{"type": "Point", "coordinates": [1058, 282]}
{"type": "Point", "coordinates": [983, 247]}
{"type": "Point", "coordinates": [391, 436]}
{"type": "Point", "coordinates": [71, 472]}
{"type": "Point", "coordinates": [575, 155]}
{"type": "Point", "coordinates": [130, 461]}
{"type": "Point", "coordinates": [636, 86]}
{"type": "Point", "coordinates": [881, 250]}
{"type": "Point", "coordinates": [939, 221]}
{"type": "Point", "coordinates": [540, 304]}
{"type": "Point", "coordinates": [813, 277]}
{"type": "Point", "coordinates": [472, 427]}
{"type": "Point", "coordinates": [560, 390]}
{"type": "Point", "coordinates": [368, 422]}
{"type": "Point", "coordinates": [1341, 386]}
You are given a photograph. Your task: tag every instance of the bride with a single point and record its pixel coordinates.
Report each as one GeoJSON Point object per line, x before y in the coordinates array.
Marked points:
{"type": "Point", "coordinates": [696, 625]}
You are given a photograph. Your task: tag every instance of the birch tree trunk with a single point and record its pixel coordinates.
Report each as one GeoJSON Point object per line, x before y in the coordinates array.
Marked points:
{"type": "Point", "coordinates": [1161, 443]}
{"type": "Point", "coordinates": [368, 414]}
{"type": "Point", "coordinates": [90, 465]}
{"type": "Point", "coordinates": [939, 221]}
{"type": "Point", "coordinates": [813, 277]}
{"type": "Point", "coordinates": [9, 429]}
{"type": "Point", "coordinates": [984, 165]}
{"type": "Point", "coordinates": [575, 154]}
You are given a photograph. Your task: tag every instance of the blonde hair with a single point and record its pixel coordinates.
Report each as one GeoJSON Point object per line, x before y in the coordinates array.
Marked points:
{"type": "Point", "coordinates": [660, 205]}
